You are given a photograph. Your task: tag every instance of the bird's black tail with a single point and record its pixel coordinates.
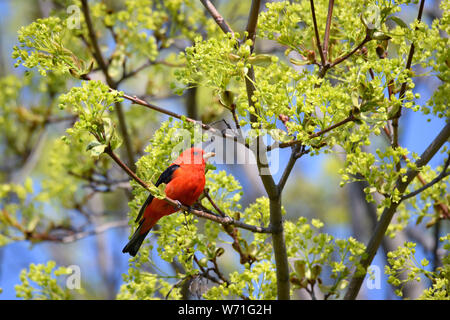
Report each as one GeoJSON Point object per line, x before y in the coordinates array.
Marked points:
{"type": "Point", "coordinates": [135, 242]}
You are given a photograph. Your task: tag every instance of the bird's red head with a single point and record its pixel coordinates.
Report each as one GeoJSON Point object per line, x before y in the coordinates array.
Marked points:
{"type": "Point", "coordinates": [196, 156]}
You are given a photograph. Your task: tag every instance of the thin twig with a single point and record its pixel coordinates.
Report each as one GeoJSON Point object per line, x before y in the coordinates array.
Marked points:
{"type": "Point", "coordinates": [316, 32]}
{"type": "Point", "coordinates": [130, 74]}
{"type": "Point", "coordinates": [350, 53]}
{"type": "Point", "coordinates": [217, 17]}
{"type": "Point", "coordinates": [94, 42]}
{"type": "Point", "coordinates": [287, 171]}
{"type": "Point", "coordinates": [395, 120]}
{"type": "Point", "coordinates": [218, 272]}
{"type": "Point", "coordinates": [125, 135]}
{"type": "Point", "coordinates": [253, 21]}
{"type": "Point", "coordinates": [441, 176]}
{"type": "Point", "coordinates": [145, 65]}
{"type": "Point", "coordinates": [141, 102]}
{"type": "Point", "coordinates": [326, 44]}
{"type": "Point", "coordinates": [251, 35]}
{"type": "Point", "coordinates": [215, 206]}
{"type": "Point", "coordinates": [97, 230]}
{"type": "Point", "coordinates": [437, 262]}
{"type": "Point", "coordinates": [350, 118]}
{"type": "Point", "coordinates": [233, 233]}
{"type": "Point", "coordinates": [205, 273]}
{"type": "Point", "coordinates": [235, 118]}
{"type": "Point", "coordinates": [146, 104]}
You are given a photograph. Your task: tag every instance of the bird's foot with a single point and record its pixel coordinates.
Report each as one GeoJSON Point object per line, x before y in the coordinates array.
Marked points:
{"type": "Point", "coordinates": [179, 204]}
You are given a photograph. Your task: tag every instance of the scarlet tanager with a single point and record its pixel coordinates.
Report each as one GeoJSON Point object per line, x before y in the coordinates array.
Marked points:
{"type": "Point", "coordinates": [185, 180]}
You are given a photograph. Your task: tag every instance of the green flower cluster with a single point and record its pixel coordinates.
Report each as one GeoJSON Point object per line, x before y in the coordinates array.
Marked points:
{"type": "Point", "coordinates": [319, 258]}
{"type": "Point", "coordinates": [91, 103]}
{"type": "Point", "coordinates": [39, 283]}
{"type": "Point", "coordinates": [43, 46]}
{"type": "Point", "coordinates": [403, 262]}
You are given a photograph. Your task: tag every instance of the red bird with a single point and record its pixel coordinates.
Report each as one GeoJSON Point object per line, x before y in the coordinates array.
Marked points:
{"type": "Point", "coordinates": [185, 180]}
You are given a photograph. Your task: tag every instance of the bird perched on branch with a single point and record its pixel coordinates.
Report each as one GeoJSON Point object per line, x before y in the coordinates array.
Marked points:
{"type": "Point", "coordinates": [185, 181]}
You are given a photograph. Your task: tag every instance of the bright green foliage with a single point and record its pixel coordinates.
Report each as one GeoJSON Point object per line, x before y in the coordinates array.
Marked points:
{"type": "Point", "coordinates": [39, 283]}
{"type": "Point", "coordinates": [421, 205]}
{"type": "Point", "coordinates": [42, 46]}
{"type": "Point", "coordinates": [258, 280]}
{"type": "Point", "coordinates": [313, 255]}
{"type": "Point", "coordinates": [132, 24]}
{"type": "Point", "coordinates": [145, 285]}
{"type": "Point", "coordinates": [91, 103]}
{"type": "Point", "coordinates": [403, 261]}
{"type": "Point", "coordinates": [218, 64]}
{"type": "Point", "coordinates": [440, 286]}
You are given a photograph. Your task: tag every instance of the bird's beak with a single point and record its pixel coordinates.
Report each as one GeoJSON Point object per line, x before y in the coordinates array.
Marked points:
{"type": "Point", "coordinates": [208, 155]}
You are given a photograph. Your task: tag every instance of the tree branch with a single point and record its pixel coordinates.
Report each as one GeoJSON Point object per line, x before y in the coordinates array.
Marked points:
{"type": "Point", "coordinates": [316, 32]}
{"type": "Point", "coordinates": [139, 101]}
{"type": "Point", "coordinates": [253, 21]}
{"type": "Point", "coordinates": [395, 120]}
{"type": "Point", "coordinates": [97, 230]}
{"type": "Point", "coordinates": [217, 17]}
{"type": "Point", "coordinates": [326, 38]}
{"type": "Point", "coordinates": [388, 213]}
{"type": "Point", "coordinates": [94, 42]}
{"type": "Point", "coordinates": [221, 213]}
{"type": "Point", "coordinates": [276, 219]}
{"type": "Point", "coordinates": [287, 171]}
{"type": "Point", "coordinates": [295, 154]}
{"type": "Point", "coordinates": [350, 53]}
{"type": "Point", "coordinates": [350, 118]}
{"type": "Point", "coordinates": [441, 176]}
{"type": "Point", "coordinates": [233, 233]}
{"type": "Point", "coordinates": [125, 135]}
{"type": "Point", "coordinates": [443, 207]}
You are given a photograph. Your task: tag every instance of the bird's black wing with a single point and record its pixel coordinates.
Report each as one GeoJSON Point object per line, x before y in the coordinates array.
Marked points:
{"type": "Point", "coordinates": [165, 177]}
